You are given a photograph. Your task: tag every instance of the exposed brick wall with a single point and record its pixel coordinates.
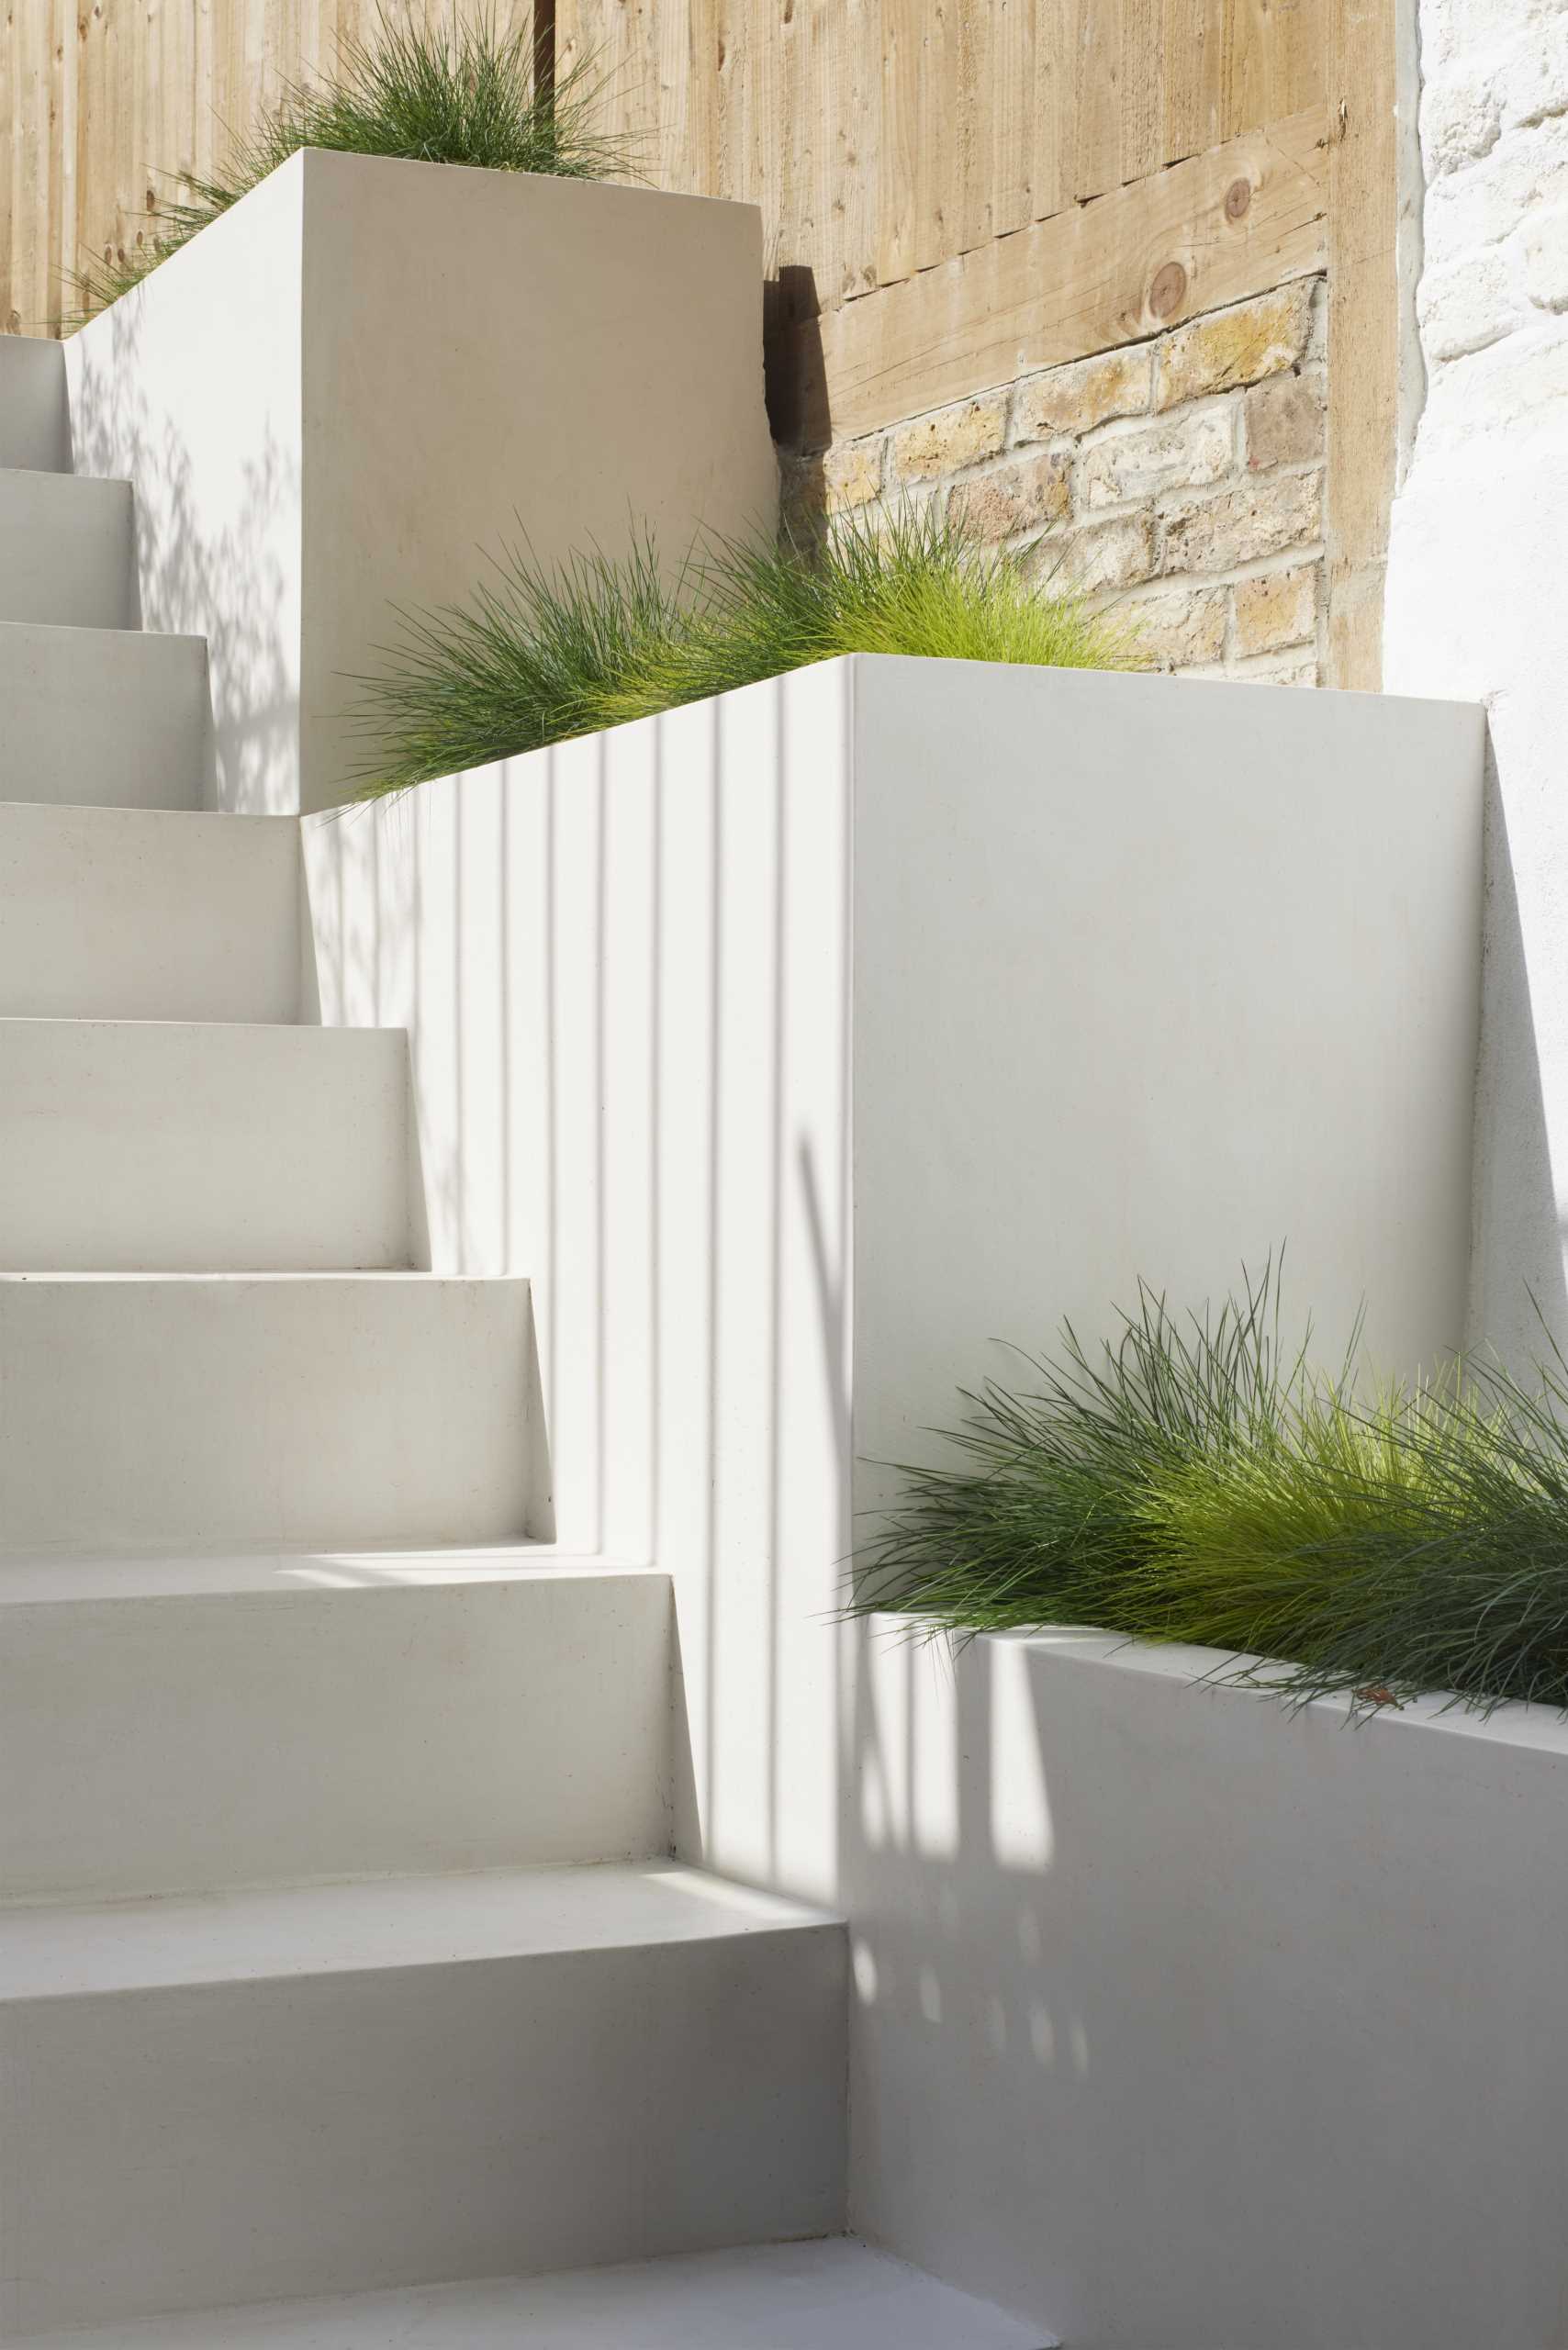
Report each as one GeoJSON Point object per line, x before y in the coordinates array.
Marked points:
{"type": "Point", "coordinates": [1181, 478]}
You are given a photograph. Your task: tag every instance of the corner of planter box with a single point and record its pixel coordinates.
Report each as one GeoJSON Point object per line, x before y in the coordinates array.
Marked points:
{"type": "Point", "coordinates": [1151, 981]}
{"type": "Point", "coordinates": [188, 388]}
{"type": "Point", "coordinates": [607, 377]}
{"type": "Point", "coordinates": [371, 375]}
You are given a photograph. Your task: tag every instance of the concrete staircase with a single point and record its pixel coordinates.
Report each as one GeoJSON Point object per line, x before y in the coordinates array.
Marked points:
{"type": "Point", "coordinates": [303, 2018]}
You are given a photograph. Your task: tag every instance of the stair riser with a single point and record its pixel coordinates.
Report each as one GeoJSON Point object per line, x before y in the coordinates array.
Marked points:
{"type": "Point", "coordinates": [112, 914]}
{"type": "Point", "coordinates": [333, 1412]}
{"type": "Point", "coordinates": [103, 717]}
{"type": "Point", "coordinates": [830, 2294]}
{"type": "Point", "coordinates": [67, 550]}
{"type": "Point", "coordinates": [233, 2142]}
{"type": "Point", "coordinates": [129, 1146]}
{"type": "Point", "coordinates": [178, 1745]}
{"type": "Point", "coordinates": [34, 417]}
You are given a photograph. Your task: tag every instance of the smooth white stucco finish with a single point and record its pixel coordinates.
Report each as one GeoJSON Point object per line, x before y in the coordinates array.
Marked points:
{"type": "Point", "coordinates": [129, 1146]}
{"type": "Point", "coordinates": [360, 2087]}
{"type": "Point", "coordinates": [316, 434]}
{"type": "Point", "coordinates": [1014, 985]}
{"type": "Point", "coordinates": [1475, 602]}
{"type": "Point", "coordinates": [107, 717]}
{"type": "Point", "coordinates": [183, 1410]}
{"type": "Point", "coordinates": [1151, 979]}
{"type": "Point", "coordinates": [35, 416]}
{"type": "Point", "coordinates": [180, 1743]}
{"type": "Point", "coordinates": [806, 1044]}
{"type": "Point", "coordinates": [133, 913]}
{"type": "Point", "coordinates": [1202, 2023]}
{"type": "Point", "coordinates": [838, 2294]}
{"type": "Point", "coordinates": [69, 557]}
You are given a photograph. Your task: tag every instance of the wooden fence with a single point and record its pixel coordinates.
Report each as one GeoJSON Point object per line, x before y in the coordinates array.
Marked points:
{"type": "Point", "coordinates": [953, 190]}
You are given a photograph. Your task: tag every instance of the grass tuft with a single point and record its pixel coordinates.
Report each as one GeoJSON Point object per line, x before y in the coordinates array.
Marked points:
{"type": "Point", "coordinates": [537, 655]}
{"type": "Point", "coordinates": [1190, 1482]}
{"type": "Point", "coordinates": [463, 96]}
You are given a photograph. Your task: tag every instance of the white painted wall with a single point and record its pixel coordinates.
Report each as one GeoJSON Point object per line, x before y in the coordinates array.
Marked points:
{"type": "Point", "coordinates": [35, 422]}
{"type": "Point", "coordinates": [344, 392]}
{"type": "Point", "coordinates": [1477, 602]}
{"type": "Point", "coordinates": [189, 387]}
{"type": "Point", "coordinates": [1193, 2024]}
{"type": "Point", "coordinates": [802, 1045]}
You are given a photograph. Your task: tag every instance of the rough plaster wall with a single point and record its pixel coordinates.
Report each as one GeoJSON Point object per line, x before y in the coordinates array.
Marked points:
{"type": "Point", "coordinates": [1478, 587]}
{"type": "Point", "coordinates": [1181, 479]}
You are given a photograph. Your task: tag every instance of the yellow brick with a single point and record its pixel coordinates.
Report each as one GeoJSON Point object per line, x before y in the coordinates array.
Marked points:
{"type": "Point", "coordinates": [1269, 515]}
{"type": "Point", "coordinates": [1105, 556]}
{"type": "Point", "coordinates": [1182, 629]}
{"type": "Point", "coordinates": [1179, 452]}
{"type": "Point", "coordinates": [951, 439]}
{"type": "Point", "coordinates": [1285, 422]}
{"type": "Point", "coordinates": [1235, 346]}
{"type": "Point", "coordinates": [1089, 392]}
{"type": "Point", "coordinates": [1277, 610]}
{"type": "Point", "coordinates": [1015, 497]}
{"type": "Point", "coordinates": [852, 475]}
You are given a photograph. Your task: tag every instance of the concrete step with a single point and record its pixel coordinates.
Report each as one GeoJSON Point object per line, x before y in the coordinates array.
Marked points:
{"type": "Point", "coordinates": [183, 1411]}
{"type": "Point", "coordinates": [103, 717]}
{"type": "Point", "coordinates": [314, 1717]}
{"type": "Point", "coordinates": [361, 2087]}
{"type": "Point", "coordinates": [135, 914]}
{"type": "Point", "coordinates": [67, 550]}
{"type": "Point", "coordinates": [185, 1146]}
{"type": "Point", "coordinates": [835, 2295]}
{"type": "Point", "coordinates": [35, 411]}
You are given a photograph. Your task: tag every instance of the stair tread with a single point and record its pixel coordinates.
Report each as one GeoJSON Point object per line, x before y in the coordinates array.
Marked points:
{"type": "Point", "coordinates": [379, 1276]}
{"type": "Point", "coordinates": [52, 1578]}
{"type": "Point", "coordinates": [96, 641]}
{"type": "Point", "coordinates": [117, 482]}
{"type": "Point", "coordinates": [145, 822]}
{"type": "Point", "coordinates": [57, 1952]}
{"type": "Point", "coordinates": [226, 1033]}
{"type": "Point", "coordinates": [833, 2295]}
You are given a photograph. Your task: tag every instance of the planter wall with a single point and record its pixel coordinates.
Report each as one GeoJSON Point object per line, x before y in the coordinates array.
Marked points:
{"type": "Point", "coordinates": [805, 1043]}
{"type": "Point", "coordinates": [1185, 2022]}
{"type": "Point", "coordinates": [370, 374]}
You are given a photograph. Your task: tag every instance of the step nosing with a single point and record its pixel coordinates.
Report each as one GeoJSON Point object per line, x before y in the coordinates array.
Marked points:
{"type": "Point", "coordinates": [213, 1029]}
{"type": "Point", "coordinates": [288, 1933]}
{"type": "Point", "coordinates": [88, 628]}
{"type": "Point", "coordinates": [381, 1276]}
{"type": "Point", "coordinates": [828, 2288]}
{"type": "Point", "coordinates": [39, 1582]}
{"type": "Point", "coordinates": [54, 473]}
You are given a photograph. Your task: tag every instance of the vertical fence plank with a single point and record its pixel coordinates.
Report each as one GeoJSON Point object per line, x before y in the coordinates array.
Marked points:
{"type": "Point", "coordinates": [881, 137]}
{"type": "Point", "coordinates": [1097, 129]}
{"type": "Point", "coordinates": [1363, 333]}
{"type": "Point", "coordinates": [936, 150]}
{"type": "Point", "coordinates": [973, 100]}
{"type": "Point", "coordinates": [1142, 89]}
{"type": "Point", "coordinates": [900, 134]}
{"type": "Point", "coordinates": [1011, 159]}
{"type": "Point", "coordinates": [857, 156]}
{"type": "Point", "coordinates": [1194, 45]}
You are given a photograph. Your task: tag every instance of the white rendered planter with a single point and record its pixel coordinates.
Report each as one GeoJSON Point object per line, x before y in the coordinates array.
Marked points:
{"type": "Point", "coordinates": [1185, 2020]}
{"type": "Point", "coordinates": [800, 1047]}
{"type": "Point", "coordinates": [990, 989]}
{"type": "Point", "coordinates": [369, 373]}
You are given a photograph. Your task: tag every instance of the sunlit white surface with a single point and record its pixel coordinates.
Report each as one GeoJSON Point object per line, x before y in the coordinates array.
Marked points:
{"type": "Point", "coordinates": [833, 2296]}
